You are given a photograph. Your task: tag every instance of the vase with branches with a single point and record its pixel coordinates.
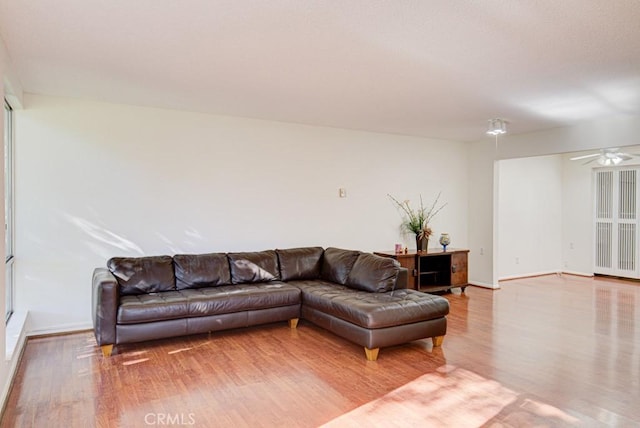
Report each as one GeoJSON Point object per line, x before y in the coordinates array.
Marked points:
{"type": "Point", "coordinates": [416, 220]}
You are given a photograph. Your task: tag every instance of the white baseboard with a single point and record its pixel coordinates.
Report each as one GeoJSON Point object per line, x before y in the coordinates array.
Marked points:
{"type": "Point", "coordinates": [530, 275]}
{"type": "Point", "coordinates": [63, 328]}
{"type": "Point", "coordinates": [484, 285]}
{"type": "Point", "coordinates": [587, 274]}
{"type": "Point", "coordinates": [552, 272]}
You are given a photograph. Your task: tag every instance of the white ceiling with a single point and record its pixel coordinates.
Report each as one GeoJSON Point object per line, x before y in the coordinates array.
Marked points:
{"type": "Point", "coordinates": [428, 68]}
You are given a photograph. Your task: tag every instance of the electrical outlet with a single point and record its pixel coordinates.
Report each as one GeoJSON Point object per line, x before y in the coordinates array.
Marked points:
{"type": "Point", "coordinates": [571, 245]}
{"type": "Point", "coordinates": [482, 251]}
{"type": "Point", "coordinates": [517, 260]}
{"type": "Point", "coordinates": [342, 192]}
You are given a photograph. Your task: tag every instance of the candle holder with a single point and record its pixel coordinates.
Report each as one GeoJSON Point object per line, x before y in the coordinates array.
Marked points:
{"type": "Point", "coordinates": [444, 241]}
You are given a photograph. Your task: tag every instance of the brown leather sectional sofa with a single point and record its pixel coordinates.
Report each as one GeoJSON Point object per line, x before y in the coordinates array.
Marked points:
{"type": "Point", "coordinates": [359, 296]}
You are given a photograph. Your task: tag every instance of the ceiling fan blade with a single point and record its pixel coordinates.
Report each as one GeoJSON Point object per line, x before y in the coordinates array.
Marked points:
{"type": "Point", "coordinates": [585, 156]}
{"type": "Point", "coordinates": [589, 161]}
{"type": "Point", "coordinates": [624, 156]}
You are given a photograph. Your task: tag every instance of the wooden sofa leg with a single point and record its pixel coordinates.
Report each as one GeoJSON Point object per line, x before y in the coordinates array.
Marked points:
{"type": "Point", "coordinates": [437, 340]}
{"type": "Point", "coordinates": [372, 354]}
{"type": "Point", "coordinates": [106, 350]}
{"type": "Point", "coordinates": [293, 322]}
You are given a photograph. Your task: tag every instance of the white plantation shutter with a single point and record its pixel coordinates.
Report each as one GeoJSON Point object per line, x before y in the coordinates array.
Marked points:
{"type": "Point", "coordinates": [604, 220]}
{"type": "Point", "coordinates": [627, 221]}
{"type": "Point", "coordinates": [616, 222]}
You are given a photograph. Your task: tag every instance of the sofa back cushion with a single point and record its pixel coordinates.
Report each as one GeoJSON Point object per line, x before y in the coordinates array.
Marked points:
{"type": "Point", "coordinates": [201, 270]}
{"type": "Point", "coordinates": [300, 263]}
{"type": "Point", "coordinates": [259, 266]}
{"type": "Point", "coordinates": [142, 275]}
{"type": "Point", "coordinates": [337, 264]}
{"type": "Point", "coordinates": [373, 273]}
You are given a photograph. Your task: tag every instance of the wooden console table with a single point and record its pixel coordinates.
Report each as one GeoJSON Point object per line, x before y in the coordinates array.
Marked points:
{"type": "Point", "coordinates": [434, 270]}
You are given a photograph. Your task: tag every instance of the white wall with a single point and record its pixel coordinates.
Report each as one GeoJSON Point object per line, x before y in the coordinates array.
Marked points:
{"type": "Point", "coordinates": [99, 180]}
{"type": "Point", "coordinates": [481, 208]}
{"type": "Point", "coordinates": [577, 216]}
{"type": "Point", "coordinates": [530, 216]}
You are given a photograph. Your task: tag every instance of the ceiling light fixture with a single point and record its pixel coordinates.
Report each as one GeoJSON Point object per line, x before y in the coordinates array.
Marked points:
{"type": "Point", "coordinates": [497, 127]}
{"type": "Point", "coordinates": [609, 159]}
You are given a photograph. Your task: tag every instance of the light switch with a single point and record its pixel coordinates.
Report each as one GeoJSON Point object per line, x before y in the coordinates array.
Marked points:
{"type": "Point", "coordinates": [342, 192]}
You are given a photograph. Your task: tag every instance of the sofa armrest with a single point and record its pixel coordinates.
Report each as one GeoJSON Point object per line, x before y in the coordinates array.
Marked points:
{"type": "Point", "coordinates": [105, 296]}
{"type": "Point", "coordinates": [403, 278]}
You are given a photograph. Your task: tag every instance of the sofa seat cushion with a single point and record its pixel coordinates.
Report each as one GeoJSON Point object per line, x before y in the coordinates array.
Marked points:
{"type": "Point", "coordinates": [206, 301]}
{"type": "Point", "coordinates": [242, 297]}
{"type": "Point", "coordinates": [149, 307]}
{"type": "Point", "coordinates": [372, 310]}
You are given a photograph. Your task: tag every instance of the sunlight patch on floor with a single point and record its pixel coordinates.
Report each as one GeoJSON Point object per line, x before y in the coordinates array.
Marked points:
{"type": "Point", "coordinates": [449, 397]}
{"type": "Point", "coordinates": [179, 350]}
{"type": "Point", "coordinates": [140, 360]}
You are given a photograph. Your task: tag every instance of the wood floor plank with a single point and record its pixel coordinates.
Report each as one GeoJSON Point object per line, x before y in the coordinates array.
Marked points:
{"type": "Point", "coordinates": [549, 351]}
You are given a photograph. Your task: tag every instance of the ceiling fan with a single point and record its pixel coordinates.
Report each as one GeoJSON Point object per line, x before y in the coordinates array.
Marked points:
{"type": "Point", "coordinates": [607, 157]}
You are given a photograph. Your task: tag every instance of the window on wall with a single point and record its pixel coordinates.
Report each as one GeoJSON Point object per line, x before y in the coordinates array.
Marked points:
{"type": "Point", "coordinates": [8, 207]}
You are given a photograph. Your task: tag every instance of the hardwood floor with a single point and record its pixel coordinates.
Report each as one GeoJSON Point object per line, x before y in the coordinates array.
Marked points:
{"type": "Point", "coordinates": [546, 351]}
